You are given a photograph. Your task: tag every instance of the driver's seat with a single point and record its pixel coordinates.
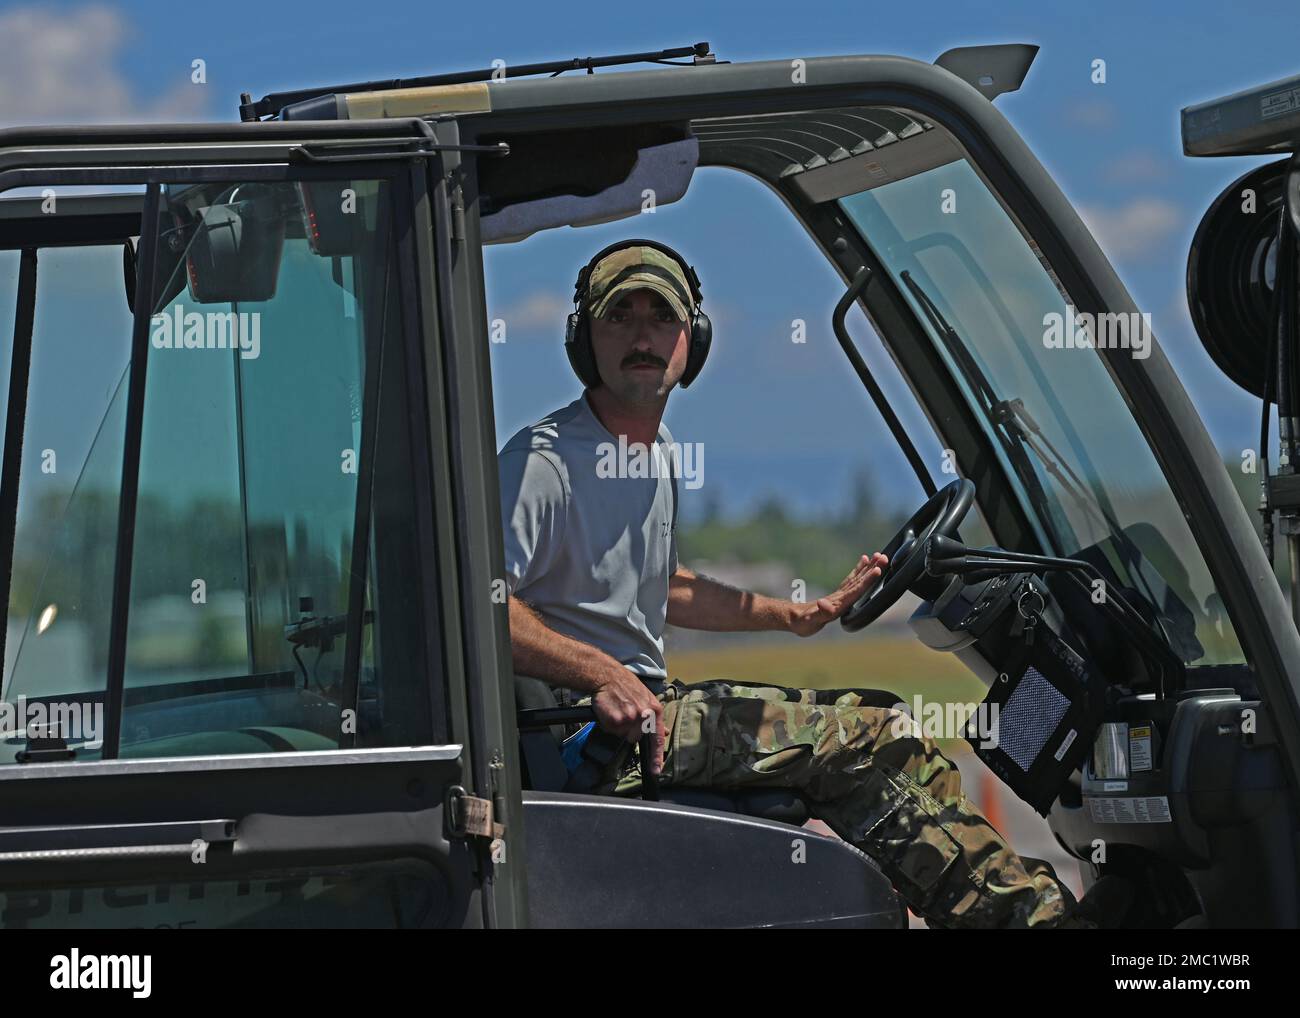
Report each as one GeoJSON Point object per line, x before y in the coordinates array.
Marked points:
{"type": "Point", "coordinates": [544, 771]}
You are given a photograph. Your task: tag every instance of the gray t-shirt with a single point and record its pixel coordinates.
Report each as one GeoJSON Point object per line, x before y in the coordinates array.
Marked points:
{"type": "Point", "coordinates": [589, 538]}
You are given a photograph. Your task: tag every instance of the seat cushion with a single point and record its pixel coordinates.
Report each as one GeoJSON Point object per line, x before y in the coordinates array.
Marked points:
{"type": "Point", "coordinates": [780, 804]}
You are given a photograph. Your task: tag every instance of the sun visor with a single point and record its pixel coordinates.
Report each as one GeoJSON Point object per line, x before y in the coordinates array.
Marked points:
{"type": "Point", "coordinates": [661, 173]}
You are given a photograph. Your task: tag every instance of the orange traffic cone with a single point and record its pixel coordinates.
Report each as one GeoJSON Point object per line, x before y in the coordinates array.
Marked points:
{"type": "Point", "coordinates": [990, 801]}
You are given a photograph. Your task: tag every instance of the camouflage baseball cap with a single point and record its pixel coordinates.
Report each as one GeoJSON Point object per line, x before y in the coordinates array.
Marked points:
{"type": "Point", "coordinates": [635, 268]}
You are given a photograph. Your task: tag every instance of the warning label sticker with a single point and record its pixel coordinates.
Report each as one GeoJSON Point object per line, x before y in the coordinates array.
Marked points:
{"type": "Point", "coordinates": [1144, 809]}
{"type": "Point", "coordinates": [1139, 748]}
{"type": "Point", "coordinates": [1277, 104]}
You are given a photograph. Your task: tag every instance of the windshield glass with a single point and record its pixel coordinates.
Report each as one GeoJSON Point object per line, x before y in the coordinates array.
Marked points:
{"type": "Point", "coordinates": [1066, 440]}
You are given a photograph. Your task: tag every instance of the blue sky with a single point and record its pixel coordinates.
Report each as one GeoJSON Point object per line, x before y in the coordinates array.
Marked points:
{"type": "Point", "coordinates": [776, 425]}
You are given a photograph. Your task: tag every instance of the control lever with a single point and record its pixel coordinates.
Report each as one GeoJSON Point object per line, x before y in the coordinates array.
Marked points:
{"type": "Point", "coordinates": [947, 557]}
{"type": "Point", "coordinates": [649, 780]}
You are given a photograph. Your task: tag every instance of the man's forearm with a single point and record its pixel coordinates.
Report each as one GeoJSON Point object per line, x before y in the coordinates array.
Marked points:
{"type": "Point", "coordinates": [622, 703]}
{"type": "Point", "coordinates": [542, 653]}
{"type": "Point", "coordinates": [700, 602]}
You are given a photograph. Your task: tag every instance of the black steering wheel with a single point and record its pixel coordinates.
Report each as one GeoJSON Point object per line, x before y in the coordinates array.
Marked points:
{"type": "Point", "coordinates": [942, 514]}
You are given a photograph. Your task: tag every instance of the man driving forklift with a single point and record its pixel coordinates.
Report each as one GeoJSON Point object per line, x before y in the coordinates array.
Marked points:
{"type": "Point", "coordinates": [593, 576]}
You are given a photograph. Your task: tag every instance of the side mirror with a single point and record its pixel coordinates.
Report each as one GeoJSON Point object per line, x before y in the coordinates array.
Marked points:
{"type": "Point", "coordinates": [235, 253]}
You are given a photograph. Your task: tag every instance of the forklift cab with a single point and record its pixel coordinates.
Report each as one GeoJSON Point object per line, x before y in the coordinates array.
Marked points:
{"type": "Point", "coordinates": [252, 547]}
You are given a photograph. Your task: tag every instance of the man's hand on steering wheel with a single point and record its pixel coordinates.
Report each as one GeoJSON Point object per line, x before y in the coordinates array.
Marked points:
{"type": "Point", "coordinates": [941, 515]}
{"type": "Point", "coordinates": [809, 619]}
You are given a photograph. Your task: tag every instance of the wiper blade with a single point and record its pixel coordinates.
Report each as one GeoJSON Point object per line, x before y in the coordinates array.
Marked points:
{"type": "Point", "coordinates": [952, 341]}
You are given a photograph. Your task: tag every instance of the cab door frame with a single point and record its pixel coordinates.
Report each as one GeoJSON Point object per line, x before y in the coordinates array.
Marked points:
{"type": "Point", "coordinates": [144, 808]}
{"type": "Point", "coordinates": [477, 501]}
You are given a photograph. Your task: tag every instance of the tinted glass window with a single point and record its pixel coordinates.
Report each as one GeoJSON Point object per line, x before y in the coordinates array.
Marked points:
{"type": "Point", "coordinates": [1079, 461]}
{"type": "Point", "coordinates": [60, 592]}
{"type": "Point", "coordinates": [275, 595]}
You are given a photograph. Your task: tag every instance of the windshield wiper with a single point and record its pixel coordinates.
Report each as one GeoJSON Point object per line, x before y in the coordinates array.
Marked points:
{"type": "Point", "coordinates": [1011, 413]}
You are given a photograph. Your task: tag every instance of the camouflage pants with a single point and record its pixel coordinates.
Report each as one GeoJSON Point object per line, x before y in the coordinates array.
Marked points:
{"type": "Point", "coordinates": [866, 770]}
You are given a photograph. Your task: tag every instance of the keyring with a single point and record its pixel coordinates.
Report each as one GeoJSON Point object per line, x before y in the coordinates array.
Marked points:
{"type": "Point", "coordinates": [1020, 604]}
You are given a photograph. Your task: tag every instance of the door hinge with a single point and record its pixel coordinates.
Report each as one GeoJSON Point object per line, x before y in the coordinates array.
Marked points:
{"type": "Point", "coordinates": [470, 817]}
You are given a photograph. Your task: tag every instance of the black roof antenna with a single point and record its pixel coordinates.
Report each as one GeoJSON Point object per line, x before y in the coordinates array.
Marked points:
{"type": "Point", "coordinates": [271, 105]}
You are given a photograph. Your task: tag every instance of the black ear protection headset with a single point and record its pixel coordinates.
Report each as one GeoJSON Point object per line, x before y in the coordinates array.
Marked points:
{"type": "Point", "coordinates": [577, 334]}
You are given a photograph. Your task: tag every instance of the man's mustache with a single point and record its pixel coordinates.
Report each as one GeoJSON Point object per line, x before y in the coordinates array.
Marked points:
{"type": "Point", "coordinates": [633, 359]}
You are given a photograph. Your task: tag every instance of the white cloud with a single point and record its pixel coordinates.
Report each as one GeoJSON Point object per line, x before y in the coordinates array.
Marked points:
{"type": "Point", "coordinates": [542, 309]}
{"type": "Point", "coordinates": [63, 66]}
{"type": "Point", "coordinates": [1138, 166]}
{"type": "Point", "coordinates": [1134, 230]}
{"type": "Point", "coordinates": [1094, 114]}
